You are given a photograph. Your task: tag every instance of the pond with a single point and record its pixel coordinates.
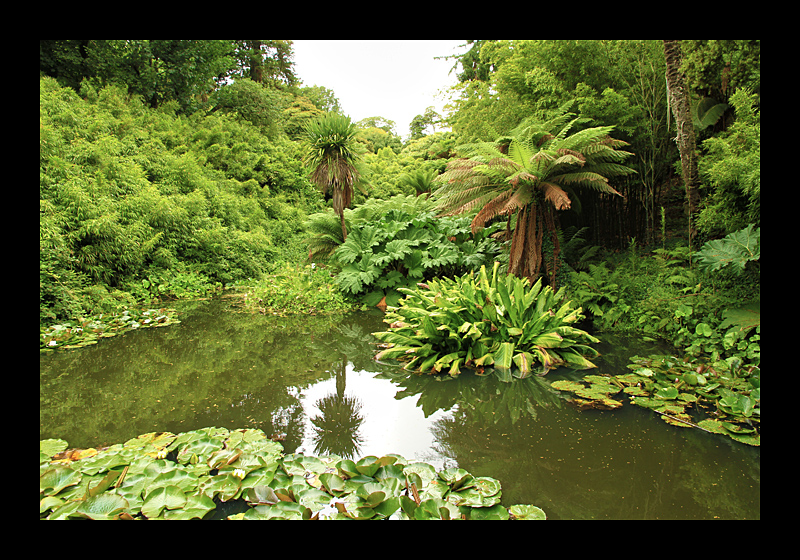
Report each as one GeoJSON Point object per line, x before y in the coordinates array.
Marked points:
{"type": "Point", "coordinates": [312, 383]}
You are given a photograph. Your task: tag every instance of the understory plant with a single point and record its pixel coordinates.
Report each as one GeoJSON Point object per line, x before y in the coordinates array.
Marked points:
{"type": "Point", "coordinates": [485, 319]}
{"type": "Point", "coordinates": [296, 289]}
{"type": "Point", "coordinates": [165, 476]}
{"type": "Point", "coordinates": [400, 248]}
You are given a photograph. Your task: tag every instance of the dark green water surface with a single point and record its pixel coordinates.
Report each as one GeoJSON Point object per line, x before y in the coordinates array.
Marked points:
{"type": "Point", "coordinates": [313, 382]}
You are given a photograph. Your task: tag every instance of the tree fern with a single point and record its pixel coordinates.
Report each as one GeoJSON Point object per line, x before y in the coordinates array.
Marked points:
{"type": "Point", "coordinates": [530, 173]}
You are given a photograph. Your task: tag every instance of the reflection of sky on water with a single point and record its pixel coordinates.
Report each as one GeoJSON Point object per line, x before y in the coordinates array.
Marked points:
{"type": "Point", "coordinates": [390, 425]}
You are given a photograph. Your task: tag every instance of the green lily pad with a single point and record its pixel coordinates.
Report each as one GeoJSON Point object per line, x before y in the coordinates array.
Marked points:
{"type": "Point", "coordinates": [456, 478]}
{"type": "Point", "coordinates": [56, 479]}
{"type": "Point", "coordinates": [496, 513]}
{"type": "Point", "coordinates": [50, 447]}
{"type": "Point", "coordinates": [170, 497]}
{"type": "Point", "coordinates": [472, 497]}
{"type": "Point", "coordinates": [487, 486]}
{"type": "Point", "coordinates": [226, 486]}
{"type": "Point", "coordinates": [103, 506]}
{"type": "Point", "coordinates": [526, 512]}
{"type": "Point", "coordinates": [667, 393]}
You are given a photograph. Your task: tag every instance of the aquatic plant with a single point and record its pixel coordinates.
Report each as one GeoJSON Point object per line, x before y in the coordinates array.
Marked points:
{"type": "Point", "coordinates": [186, 476]}
{"type": "Point", "coordinates": [728, 393]}
{"type": "Point", "coordinates": [481, 320]}
{"type": "Point", "coordinates": [86, 331]}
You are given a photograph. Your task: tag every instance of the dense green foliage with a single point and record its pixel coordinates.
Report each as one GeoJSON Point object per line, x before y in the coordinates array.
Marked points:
{"type": "Point", "coordinates": [132, 198]}
{"type": "Point", "coordinates": [187, 475]}
{"type": "Point", "coordinates": [398, 248]}
{"type": "Point", "coordinates": [485, 319]}
{"type": "Point", "coordinates": [173, 169]}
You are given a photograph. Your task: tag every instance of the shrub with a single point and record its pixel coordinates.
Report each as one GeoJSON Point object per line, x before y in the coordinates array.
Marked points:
{"type": "Point", "coordinates": [483, 320]}
{"type": "Point", "coordinates": [399, 248]}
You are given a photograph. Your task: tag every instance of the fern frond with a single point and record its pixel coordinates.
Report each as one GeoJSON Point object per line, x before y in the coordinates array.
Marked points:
{"type": "Point", "coordinates": [584, 138]}
{"type": "Point", "coordinates": [555, 195]}
{"type": "Point", "coordinates": [585, 179]}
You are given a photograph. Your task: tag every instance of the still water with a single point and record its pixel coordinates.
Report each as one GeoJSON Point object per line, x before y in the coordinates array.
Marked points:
{"type": "Point", "coordinates": [312, 382]}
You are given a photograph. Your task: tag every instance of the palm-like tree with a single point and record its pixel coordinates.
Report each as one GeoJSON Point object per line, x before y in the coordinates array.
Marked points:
{"type": "Point", "coordinates": [532, 172]}
{"type": "Point", "coordinates": [333, 158]}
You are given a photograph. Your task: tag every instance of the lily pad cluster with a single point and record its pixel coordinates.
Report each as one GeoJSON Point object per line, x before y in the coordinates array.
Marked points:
{"type": "Point", "coordinates": [730, 396]}
{"type": "Point", "coordinates": [186, 476]}
{"type": "Point", "coordinates": [485, 319]}
{"type": "Point", "coordinates": [87, 331]}
{"type": "Point", "coordinates": [728, 393]}
{"type": "Point", "coordinates": [593, 391]}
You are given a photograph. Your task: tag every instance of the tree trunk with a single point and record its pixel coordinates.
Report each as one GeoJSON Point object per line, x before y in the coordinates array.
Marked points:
{"type": "Point", "coordinates": [679, 100]}
{"type": "Point", "coordinates": [526, 245]}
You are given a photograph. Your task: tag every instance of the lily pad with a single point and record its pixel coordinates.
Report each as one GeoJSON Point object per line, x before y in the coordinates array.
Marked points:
{"type": "Point", "coordinates": [103, 506]}
{"type": "Point", "coordinates": [50, 447]}
{"type": "Point", "coordinates": [170, 497]}
{"type": "Point", "coordinates": [526, 512]}
{"type": "Point", "coordinates": [56, 479]}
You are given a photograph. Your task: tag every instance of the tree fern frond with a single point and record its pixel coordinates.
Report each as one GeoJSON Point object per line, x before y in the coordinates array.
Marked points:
{"type": "Point", "coordinates": [585, 179]}
{"type": "Point", "coordinates": [491, 209]}
{"type": "Point", "coordinates": [584, 138]}
{"type": "Point", "coordinates": [556, 195]}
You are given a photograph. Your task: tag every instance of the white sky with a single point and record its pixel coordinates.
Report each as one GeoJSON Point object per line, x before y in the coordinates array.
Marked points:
{"type": "Point", "coordinates": [396, 80]}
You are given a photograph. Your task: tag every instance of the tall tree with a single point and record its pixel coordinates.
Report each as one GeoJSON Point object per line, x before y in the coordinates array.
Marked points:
{"type": "Point", "coordinates": [678, 96]}
{"type": "Point", "coordinates": [332, 156]}
{"type": "Point", "coordinates": [266, 61]}
{"type": "Point", "coordinates": [530, 173]}
{"type": "Point", "coordinates": [158, 70]}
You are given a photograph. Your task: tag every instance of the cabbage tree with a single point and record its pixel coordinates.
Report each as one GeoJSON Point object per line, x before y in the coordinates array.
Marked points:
{"type": "Point", "coordinates": [333, 158]}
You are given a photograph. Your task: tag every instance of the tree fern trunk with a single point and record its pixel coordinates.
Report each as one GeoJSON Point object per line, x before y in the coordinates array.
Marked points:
{"type": "Point", "coordinates": [679, 100]}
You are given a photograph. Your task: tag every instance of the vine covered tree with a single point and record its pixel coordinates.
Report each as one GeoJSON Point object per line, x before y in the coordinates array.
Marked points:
{"type": "Point", "coordinates": [687, 145]}
{"type": "Point", "coordinates": [530, 173]}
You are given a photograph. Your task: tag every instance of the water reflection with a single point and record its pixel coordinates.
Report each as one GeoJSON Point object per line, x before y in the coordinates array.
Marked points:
{"type": "Point", "coordinates": [336, 427]}
{"type": "Point", "coordinates": [312, 383]}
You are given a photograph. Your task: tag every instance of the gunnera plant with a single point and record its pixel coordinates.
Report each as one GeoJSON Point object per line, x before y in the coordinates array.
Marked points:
{"type": "Point", "coordinates": [484, 319]}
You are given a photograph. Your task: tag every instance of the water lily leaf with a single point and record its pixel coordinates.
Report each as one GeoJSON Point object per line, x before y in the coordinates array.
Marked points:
{"type": "Point", "coordinates": [368, 465]}
{"type": "Point", "coordinates": [224, 485]}
{"type": "Point", "coordinates": [333, 483]}
{"type": "Point", "coordinates": [186, 481]}
{"type": "Point", "coordinates": [50, 447]}
{"type": "Point", "coordinates": [197, 506]}
{"type": "Point", "coordinates": [496, 512]}
{"type": "Point", "coordinates": [432, 508]}
{"type": "Point", "coordinates": [667, 393]}
{"type": "Point", "coordinates": [486, 486]}
{"type": "Point", "coordinates": [262, 495]}
{"type": "Point", "coordinates": [565, 385]}
{"type": "Point", "coordinates": [347, 468]}
{"type": "Point", "coordinates": [526, 512]}
{"type": "Point", "coordinates": [170, 497]}
{"type": "Point", "coordinates": [388, 507]}
{"type": "Point", "coordinates": [56, 479]}
{"type": "Point", "coordinates": [313, 498]}
{"type": "Point", "coordinates": [472, 497]}
{"type": "Point", "coordinates": [103, 506]}
{"type": "Point", "coordinates": [456, 478]}
{"type": "Point", "coordinates": [281, 510]}
{"type": "Point", "coordinates": [424, 471]}
{"type": "Point", "coordinates": [50, 502]}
